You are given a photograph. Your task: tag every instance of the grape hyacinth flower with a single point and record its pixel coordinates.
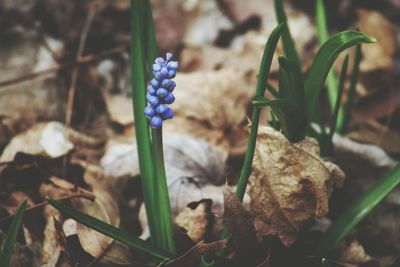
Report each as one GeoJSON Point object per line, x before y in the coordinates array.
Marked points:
{"type": "Point", "coordinates": [159, 91]}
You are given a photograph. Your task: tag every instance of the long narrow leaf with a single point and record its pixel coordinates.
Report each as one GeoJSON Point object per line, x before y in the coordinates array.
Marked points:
{"type": "Point", "coordinates": [354, 214]}
{"type": "Point", "coordinates": [141, 124]}
{"type": "Point", "coordinates": [296, 82]}
{"type": "Point", "coordinates": [325, 149]}
{"type": "Point", "coordinates": [260, 90]}
{"type": "Point", "coordinates": [164, 219]}
{"type": "Point", "coordinates": [111, 231]}
{"type": "Point", "coordinates": [323, 62]}
{"type": "Point", "coordinates": [8, 247]}
{"type": "Point", "coordinates": [323, 36]}
{"type": "Point", "coordinates": [287, 40]}
{"type": "Point", "coordinates": [345, 115]}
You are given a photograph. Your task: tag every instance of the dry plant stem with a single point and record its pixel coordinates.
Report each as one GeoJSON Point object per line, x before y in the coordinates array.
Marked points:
{"type": "Point", "coordinates": [74, 76]}
{"type": "Point", "coordinates": [83, 60]}
{"type": "Point", "coordinates": [44, 203]}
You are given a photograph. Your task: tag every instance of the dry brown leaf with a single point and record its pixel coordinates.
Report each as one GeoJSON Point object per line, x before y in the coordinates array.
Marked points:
{"type": "Point", "coordinates": [195, 219]}
{"type": "Point", "coordinates": [240, 224]}
{"type": "Point", "coordinates": [52, 245]}
{"type": "Point", "coordinates": [210, 104]}
{"type": "Point", "coordinates": [378, 56]}
{"type": "Point", "coordinates": [372, 132]}
{"type": "Point", "coordinates": [353, 254]}
{"type": "Point", "coordinates": [289, 184]}
{"type": "Point", "coordinates": [50, 139]}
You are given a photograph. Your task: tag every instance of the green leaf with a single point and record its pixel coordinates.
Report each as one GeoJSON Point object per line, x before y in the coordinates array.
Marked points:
{"type": "Point", "coordinates": [345, 115]}
{"type": "Point", "coordinates": [323, 36]}
{"type": "Point", "coordinates": [8, 247]}
{"type": "Point", "coordinates": [263, 73]}
{"type": "Point", "coordinates": [163, 220]}
{"type": "Point", "coordinates": [141, 124]}
{"type": "Point", "coordinates": [325, 149]}
{"type": "Point", "coordinates": [131, 241]}
{"type": "Point", "coordinates": [354, 214]}
{"type": "Point", "coordinates": [287, 40]}
{"type": "Point", "coordinates": [292, 122]}
{"type": "Point", "coordinates": [295, 82]}
{"type": "Point", "coordinates": [323, 62]}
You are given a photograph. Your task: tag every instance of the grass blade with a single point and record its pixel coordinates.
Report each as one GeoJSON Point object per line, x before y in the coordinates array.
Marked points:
{"type": "Point", "coordinates": [296, 82]}
{"type": "Point", "coordinates": [358, 211]}
{"type": "Point", "coordinates": [323, 62]}
{"type": "Point", "coordinates": [260, 90]}
{"type": "Point", "coordinates": [8, 247]}
{"type": "Point", "coordinates": [141, 124]}
{"type": "Point", "coordinates": [287, 40]}
{"type": "Point", "coordinates": [111, 231]}
{"type": "Point", "coordinates": [323, 36]}
{"type": "Point", "coordinates": [164, 218]}
{"type": "Point", "coordinates": [345, 115]}
{"type": "Point", "coordinates": [325, 149]}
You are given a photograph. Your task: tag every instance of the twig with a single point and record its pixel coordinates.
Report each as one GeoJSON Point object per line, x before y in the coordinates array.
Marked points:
{"type": "Point", "coordinates": [74, 76]}
{"type": "Point", "coordinates": [83, 60]}
{"type": "Point", "coordinates": [44, 203]}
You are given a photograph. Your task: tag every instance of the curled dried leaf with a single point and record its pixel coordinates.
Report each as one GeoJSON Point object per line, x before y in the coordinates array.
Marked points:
{"type": "Point", "coordinates": [289, 184]}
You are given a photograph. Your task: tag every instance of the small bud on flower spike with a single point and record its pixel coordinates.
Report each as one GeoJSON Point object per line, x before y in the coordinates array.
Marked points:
{"type": "Point", "coordinates": [159, 91]}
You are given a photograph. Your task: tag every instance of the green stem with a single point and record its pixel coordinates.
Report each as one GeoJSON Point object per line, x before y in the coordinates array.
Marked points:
{"type": "Point", "coordinates": [161, 187]}
{"type": "Point", "coordinates": [260, 91]}
{"type": "Point", "coordinates": [141, 124]}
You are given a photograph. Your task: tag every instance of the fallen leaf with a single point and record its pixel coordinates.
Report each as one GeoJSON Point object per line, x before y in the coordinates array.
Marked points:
{"type": "Point", "coordinates": [289, 184]}
{"type": "Point", "coordinates": [190, 163]}
{"type": "Point", "coordinates": [378, 56]}
{"type": "Point", "coordinates": [240, 224]}
{"type": "Point", "coordinates": [195, 219]}
{"type": "Point", "coordinates": [372, 132]}
{"type": "Point", "coordinates": [50, 139]}
{"type": "Point", "coordinates": [353, 254]}
{"type": "Point", "coordinates": [210, 103]}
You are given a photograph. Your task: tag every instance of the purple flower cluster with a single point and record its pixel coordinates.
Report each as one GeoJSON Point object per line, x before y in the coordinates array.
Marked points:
{"type": "Point", "coordinates": [159, 91]}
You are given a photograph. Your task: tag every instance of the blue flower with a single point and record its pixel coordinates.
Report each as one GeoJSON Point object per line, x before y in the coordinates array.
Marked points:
{"type": "Point", "coordinates": [159, 91]}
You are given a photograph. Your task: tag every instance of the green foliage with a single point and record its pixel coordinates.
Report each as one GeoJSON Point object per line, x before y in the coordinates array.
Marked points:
{"type": "Point", "coordinates": [8, 246]}
{"type": "Point", "coordinates": [344, 116]}
{"type": "Point", "coordinates": [354, 214]}
{"type": "Point", "coordinates": [323, 62]}
{"type": "Point", "coordinates": [263, 73]}
{"type": "Point", "coordinates": [150, 152]}
{"type": "Point", "coordinates": [305, 93]}
{"type": "Point", "coordinates": [141, 124]}
{"type": "Point", "coordinates": [131, 241]}
{"type": "Point", "coordinates": [287, 40]}
{"type": "Point", "coordinates": [326, 145]}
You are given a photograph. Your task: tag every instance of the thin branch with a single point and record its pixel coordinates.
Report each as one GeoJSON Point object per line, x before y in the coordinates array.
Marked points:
{"type": "Point", "coordinates": [74, 76]}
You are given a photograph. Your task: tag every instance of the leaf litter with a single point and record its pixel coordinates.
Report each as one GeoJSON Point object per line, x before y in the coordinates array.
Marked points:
{"type": "Point", "coordinates": [204, 145]}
